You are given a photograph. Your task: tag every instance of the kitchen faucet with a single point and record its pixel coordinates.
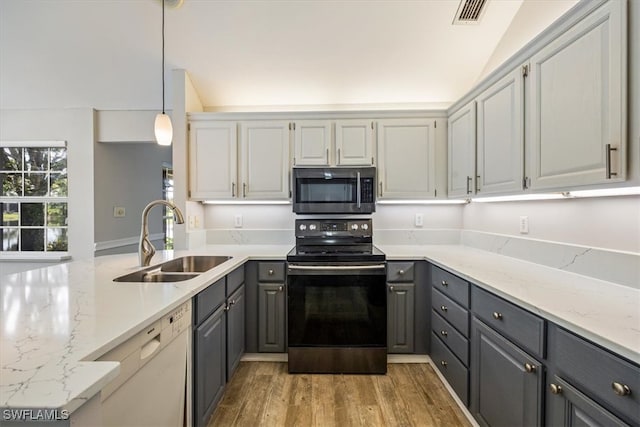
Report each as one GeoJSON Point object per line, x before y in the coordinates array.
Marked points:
{"type": "Point", "coordinates": [146, 249]}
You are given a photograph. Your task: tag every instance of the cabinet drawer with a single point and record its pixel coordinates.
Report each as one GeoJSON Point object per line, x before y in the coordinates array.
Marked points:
{"type": "Point", "coordinates": [450, 285]}
{"type": "Point", "coordinates": [597, 373]}
{"type": "Point", "coordinates": [456, 315]}
{"type": "Point", "coordinates": [453, 339]}
{"type": "Point", "coordinates": [235, 279]}
{"type": "Point", "coordinates": [517, 324]}
{"type": "Point", "coordinates": [208, 300]}
{"type": "Point", "coordinates": [451, 368]}
{"type": "Point", "coordinates": [271, 271]}
{"type": "Point", "coordinates": [400, 271]}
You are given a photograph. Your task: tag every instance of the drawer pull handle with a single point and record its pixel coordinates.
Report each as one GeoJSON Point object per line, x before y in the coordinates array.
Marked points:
{"type": "Point", "coordinates": [443, 363]}
{"type": "Point", "coordinates": [401, 272]}
{"type": "Point", "coordinates": [444, 283]}
{"type": "Point", "coordinates": [270, 272]}
{"type": "Point", "coordinates": [444, 333]}
{"type": "Point", "coordinates": [444, 308]}
{"type": "Point", "coordinates": [280, 288]}
{"type": "Point", "coordinates": [555, 389]}
{"type": "Point", "coordinates": [529, 368]}
{"type": "Point", "coordinates": [497, 316]}
{"type": "Point", "coordinates": [391, 288]}
{"type": "Point", "coordinates": [620, 389]}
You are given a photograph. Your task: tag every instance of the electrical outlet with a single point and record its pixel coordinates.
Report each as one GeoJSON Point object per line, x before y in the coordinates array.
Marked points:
{"type": "Point", "coordinates": [419, 220]}
{"type": "Point", "coordinates": [119, 212]}
{"type": "Point", "coordinates": [192, 222]}
{"type": "Point", "coordinates": [524, 224]}
{"type": "Point", "coordinates": [237, 221]}
{"type": "Point", "coordinates": [197, 221]}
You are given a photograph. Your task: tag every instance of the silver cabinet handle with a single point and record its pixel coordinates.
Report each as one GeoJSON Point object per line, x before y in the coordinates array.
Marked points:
{"type": "Point", "coordinates": [380, 188]}
{"type": "Point", "coordinates": [620, 389]}
{"type": "Point", "coordinates": [270, 272]}
{"type": "Point", "coordinates": [444, 333]}
{"type": "Point", "coordinates": [468, 185]}
{"type": "Point", "coordinates": [529, 368]}
{"type": "Point", "coordinates": [227, 307]}
{"type": "Point", "coordinates": [338, 159]}
{"type": "Point", "coordinates": [280, 288]}
{"type": "Point", "coordinates": [401, 272]}
{"type": "Point", "coordinates": [477, 183]}
{"type": "Point", "coordinates": [444, 283]}
{"type": "Point", "coordinates": [555, 389]}
{"type": "Point", "coordinates": [327, 156]}
{"type": "Point", "coordinates": [497, 316]}
{"type": "Point", "coordinates": [233, 189]}
{"type": "Point", "coordinates": [443, 363]}
{"type": "Point", "coordinates": [391, 288]}
{"type": "Point", "coordinates": [444, 308]}
{"type": "Point", "coordinates": [244, 189]}
{"type": "Point", "coordinates": [607, 152]}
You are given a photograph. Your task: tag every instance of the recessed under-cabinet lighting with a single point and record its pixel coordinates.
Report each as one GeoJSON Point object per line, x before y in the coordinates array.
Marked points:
{"type": "Point", "coordinates": [519, 197]}
{"type": "Point", "coordinates": [246, 202]}
{"type": "Point", "coordinates": [423, 202]}
{"type": "Point", "coordinates": [623, 191]}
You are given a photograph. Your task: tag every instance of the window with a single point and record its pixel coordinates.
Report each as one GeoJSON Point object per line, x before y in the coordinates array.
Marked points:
{"type": "Point", "coordinates": [34, 198]}
{"type": "Point", "coordinates": [167, 194]}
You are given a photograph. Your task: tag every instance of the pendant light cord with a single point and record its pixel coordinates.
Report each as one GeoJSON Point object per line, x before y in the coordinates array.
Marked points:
{"type": "Point", "coordinates": [162, 55]}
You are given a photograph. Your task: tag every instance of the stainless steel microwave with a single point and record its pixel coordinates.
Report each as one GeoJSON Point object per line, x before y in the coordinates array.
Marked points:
{"type": "Point", "coordinates": [338, 190]}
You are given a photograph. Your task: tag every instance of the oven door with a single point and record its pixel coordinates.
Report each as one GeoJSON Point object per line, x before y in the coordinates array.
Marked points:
{"type": "Point", "coordinates": [337, 305]}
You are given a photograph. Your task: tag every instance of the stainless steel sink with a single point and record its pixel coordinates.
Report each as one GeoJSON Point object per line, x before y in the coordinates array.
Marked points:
{"type": "Point", "coordinates": [193, 264]}
{"type": "Point", "coordinates": [176, 270]}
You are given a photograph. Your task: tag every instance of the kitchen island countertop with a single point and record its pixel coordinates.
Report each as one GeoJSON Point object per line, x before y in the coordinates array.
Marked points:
{"type": "Point", "coordinates": [57, 320]}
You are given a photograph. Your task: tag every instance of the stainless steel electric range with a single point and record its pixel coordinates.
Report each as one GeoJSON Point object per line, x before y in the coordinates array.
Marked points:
{"type": "Point", "coordinates": [337, 300]}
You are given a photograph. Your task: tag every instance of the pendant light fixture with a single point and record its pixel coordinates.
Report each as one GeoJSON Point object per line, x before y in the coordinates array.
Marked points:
{"type": "Point", "coordinates": [162, 127]}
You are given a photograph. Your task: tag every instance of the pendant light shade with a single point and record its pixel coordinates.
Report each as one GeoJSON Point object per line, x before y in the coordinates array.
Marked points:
{"type": "Point", "coordinates": [162, 127]}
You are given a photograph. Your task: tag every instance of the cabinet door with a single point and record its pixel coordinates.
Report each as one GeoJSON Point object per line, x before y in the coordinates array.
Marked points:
{"type": "Point", "coordinates": [354, 142]}
{"type": "Point", "coordinates": [235, 330]}
{"type": "Point", "coordinates": [210, 348]}
{"type": "Point", "coordinates": [213, 151]}
{"type": "Point", "coordinates": [506, 383]}
{"type": "Point", "coordinates": [400, 314]}
{"type": "Point", "coordinates": [312, 143]}
{"type": "Point", "coordinates": [577, 103]}
{"type": "Point", "coordinates": [264, 160]}
{"type": "Point", "coordinates": [271, 315]}
{"type": "Point", "coordinates": [462, 151]}
{"type": "Point", "coordinates": [567, 406]}
{"type": "Point", "coordinates": [406, 159]}
{"type": "Point", "coordinates": [500, 164]}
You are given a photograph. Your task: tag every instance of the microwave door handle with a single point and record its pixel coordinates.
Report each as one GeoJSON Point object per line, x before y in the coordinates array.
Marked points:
{"type": "Point", "coordinates": [358, 190]}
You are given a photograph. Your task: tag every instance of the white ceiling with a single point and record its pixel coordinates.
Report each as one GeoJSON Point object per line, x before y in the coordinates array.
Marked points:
{"type": "Point", "coordinates": [106, 53]}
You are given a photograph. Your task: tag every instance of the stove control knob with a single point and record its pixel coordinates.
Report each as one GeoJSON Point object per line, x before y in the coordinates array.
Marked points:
{"type": "Point", "coordinates": [354, 226]}
{"type": "Point", "coordinates": [312, 227]}
{"type": "Point", "coordinates": [303, 227]}
{"type": "Point", "coordinates": [365, 226]}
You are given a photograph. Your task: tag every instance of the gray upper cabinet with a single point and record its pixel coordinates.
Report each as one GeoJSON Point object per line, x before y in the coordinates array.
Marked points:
{"type": "Point", "coordinates": [462, 152]}
{"type": "Point", "coordinates": [500, 136]}
{"type": "Point", "coordinates": [506, 382]}
{"type": "Point", "coordinates": [577, 105]}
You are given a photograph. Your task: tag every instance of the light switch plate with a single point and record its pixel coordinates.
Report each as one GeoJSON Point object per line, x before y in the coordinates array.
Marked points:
{"type": "Point", "coordinates": [237, 221]}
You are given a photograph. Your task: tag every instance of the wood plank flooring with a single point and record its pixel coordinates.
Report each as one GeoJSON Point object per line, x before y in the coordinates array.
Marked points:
{"type": "Point", "coordinates": [265, 394]}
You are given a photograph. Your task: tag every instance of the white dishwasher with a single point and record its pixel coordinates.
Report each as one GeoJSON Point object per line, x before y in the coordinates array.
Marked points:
{"type": "Point", "coordinates": [150, 389]}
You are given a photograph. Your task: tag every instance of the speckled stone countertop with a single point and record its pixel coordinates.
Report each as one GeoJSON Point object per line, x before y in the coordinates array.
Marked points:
{"type": "Point", "coordinates": [56, 321]}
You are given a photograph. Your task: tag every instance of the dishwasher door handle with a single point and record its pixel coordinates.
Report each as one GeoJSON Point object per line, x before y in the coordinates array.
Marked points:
{"type": "Point", "coordinates": [150, 348]}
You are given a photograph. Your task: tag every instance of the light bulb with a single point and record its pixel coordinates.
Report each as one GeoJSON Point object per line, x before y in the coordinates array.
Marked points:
{"type": "Point", "coordinates": [163, 129]}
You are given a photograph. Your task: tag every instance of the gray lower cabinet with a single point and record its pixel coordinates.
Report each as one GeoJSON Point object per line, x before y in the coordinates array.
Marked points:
{"type": "Point", "coordinates": [400, 314]}
{"type": "Point", "coordinates": [210, 349]}
{"type": "Point", "coordinates": [271, 315]}
{"type": "Point", "coordinates": [218, 341]}
{"type": "Point", "coordinates": [272, 322]}
{"type": "Point", "coordinates": [506, 382]}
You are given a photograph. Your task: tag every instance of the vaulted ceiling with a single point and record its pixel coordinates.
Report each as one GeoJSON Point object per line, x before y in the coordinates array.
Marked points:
{"type": "Point", "coordinates": [106, 54]}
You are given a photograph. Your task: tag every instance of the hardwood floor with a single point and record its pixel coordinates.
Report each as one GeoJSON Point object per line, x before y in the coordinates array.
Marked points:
{"type": "Point", "coordinates": [264, 394]}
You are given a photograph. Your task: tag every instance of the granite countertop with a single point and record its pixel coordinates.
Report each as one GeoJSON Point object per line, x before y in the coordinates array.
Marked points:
{"type": "Point", "coordinates": [57, 320]}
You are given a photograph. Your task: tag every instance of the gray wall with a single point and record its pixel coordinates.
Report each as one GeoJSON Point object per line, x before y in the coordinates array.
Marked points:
{"type": "Point", "coordinates": [128, 175]}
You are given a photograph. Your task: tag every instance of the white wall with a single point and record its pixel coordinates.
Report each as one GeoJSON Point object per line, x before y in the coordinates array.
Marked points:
{"type": "Point", "coordinates": [76, 127]}
{"type": "Point", "coordinates": [130, 176]}
{"type": "Point", "coordinates": [608, 222]}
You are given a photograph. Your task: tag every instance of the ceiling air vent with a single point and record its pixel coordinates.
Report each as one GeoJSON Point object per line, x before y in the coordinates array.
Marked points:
{"type": "Point", "coordinates": [469, 11]}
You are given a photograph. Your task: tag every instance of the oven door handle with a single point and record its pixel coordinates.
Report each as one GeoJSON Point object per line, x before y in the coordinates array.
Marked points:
{"type": "Point", "coordinates": [337, 267]}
